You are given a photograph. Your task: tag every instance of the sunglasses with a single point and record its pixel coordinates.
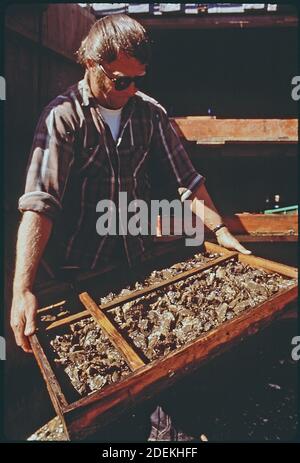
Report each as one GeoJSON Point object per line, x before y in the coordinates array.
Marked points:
{"type": "Point", "coordinates": [121, 83]}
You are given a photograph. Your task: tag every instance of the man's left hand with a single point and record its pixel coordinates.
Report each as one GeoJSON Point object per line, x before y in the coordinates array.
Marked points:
{"type": "Point", "coordinates": [225, 239]}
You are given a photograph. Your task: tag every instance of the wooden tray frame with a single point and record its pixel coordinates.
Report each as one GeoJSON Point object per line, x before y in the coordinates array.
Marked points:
{"type": "Point", "coordinates": [88, 414]}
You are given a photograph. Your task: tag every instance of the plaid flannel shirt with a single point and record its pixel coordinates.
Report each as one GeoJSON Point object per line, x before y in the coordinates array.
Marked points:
{"type": "Point", "coordinates": [75, 162]}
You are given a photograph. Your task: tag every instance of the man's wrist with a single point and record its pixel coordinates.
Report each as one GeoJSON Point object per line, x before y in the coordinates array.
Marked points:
{"type": "Point", "coordinates": [221, 232]}
{"type": "Point", "coordinates": [218, 227]}
{"type": "Point", "coordinates": [21, 289]}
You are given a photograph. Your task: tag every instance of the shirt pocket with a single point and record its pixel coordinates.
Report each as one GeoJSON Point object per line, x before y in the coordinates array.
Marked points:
{"type": "Point", "coordinates": [94, 162]}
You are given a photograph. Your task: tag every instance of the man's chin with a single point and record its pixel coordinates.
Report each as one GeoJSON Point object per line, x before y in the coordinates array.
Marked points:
{"type": "Point", "coordinates": [122, 101]}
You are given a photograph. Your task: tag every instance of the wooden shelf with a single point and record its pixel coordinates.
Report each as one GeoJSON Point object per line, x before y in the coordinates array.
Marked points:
{"type": "Point", "coordinates": [213, 131]}
{"type": "Point", "coordinates": [247, 228]}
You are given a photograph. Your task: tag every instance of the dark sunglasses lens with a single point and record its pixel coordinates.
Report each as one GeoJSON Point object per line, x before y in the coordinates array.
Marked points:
{"type": "Point", "coordinates": [122, 83]}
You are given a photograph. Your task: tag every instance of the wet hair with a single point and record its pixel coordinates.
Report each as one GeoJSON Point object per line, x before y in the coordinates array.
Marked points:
{"type": "Point", "coordinates": [114, 34]}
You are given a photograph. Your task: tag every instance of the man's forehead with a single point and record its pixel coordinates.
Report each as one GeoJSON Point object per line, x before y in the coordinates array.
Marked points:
{"type": "Point", "coordinates": [125, 64]}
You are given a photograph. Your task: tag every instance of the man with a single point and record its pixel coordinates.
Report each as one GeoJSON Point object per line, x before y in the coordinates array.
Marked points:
{"type": "Point", "coordinates": [101, 137]}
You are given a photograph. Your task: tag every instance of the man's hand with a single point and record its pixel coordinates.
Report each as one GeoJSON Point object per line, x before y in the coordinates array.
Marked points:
{"type": "Point", "coordinates": [22, 320]}
{"type": "Point", "coordinates": [225, 239]}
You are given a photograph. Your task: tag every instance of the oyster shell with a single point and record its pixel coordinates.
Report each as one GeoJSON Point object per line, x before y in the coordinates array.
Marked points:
{"type": "Point", "coordinates": [88, 357]}
{"type": "Point", "coordinates": [184, 310]}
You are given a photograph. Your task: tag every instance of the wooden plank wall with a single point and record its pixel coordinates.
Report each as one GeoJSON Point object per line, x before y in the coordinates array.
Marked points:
{"type": "Point", "coordinates": [40, 41]}
{"type": "Point", "coordinates": [40, 45]}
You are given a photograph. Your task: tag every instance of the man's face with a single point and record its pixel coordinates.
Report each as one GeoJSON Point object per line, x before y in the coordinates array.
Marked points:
{"type": "Point", "coordinates": [103, 87]}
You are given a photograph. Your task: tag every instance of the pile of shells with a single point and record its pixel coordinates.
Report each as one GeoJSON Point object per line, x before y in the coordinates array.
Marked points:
{"type": "Point", "coordinates": [166, 319]}
{"type": "Point", "coordinates": [88, 357]}
{"type": "Point", "coordinates": [51, 431]}
{"type": "Point", "coordinates": [165, 274]}
{"type": "Point", "coordinates": [86, 354]}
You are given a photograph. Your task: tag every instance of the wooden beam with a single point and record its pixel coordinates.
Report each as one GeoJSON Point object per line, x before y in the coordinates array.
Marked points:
{"type": "Point", "coordinates": [70, 319]}
{"type": "Point", "coordinates": [264, 227]}
{"type": "Point", "coordinates": [262, 224]}
{"type": "Point", "coordinates": [52, 306]}
{"type": "Point", "coordinates": [211, 130]}
{"type": "Point", "coordinates": [259, 262]}
{"type": "Point", "coordinates": [267, 238]}
{"type": "Point", "coordinates": [251, 238]}
{"type": "Point", "coordinates": [129, 354]}
{"type": "Point", "coordinates": [220, 21]}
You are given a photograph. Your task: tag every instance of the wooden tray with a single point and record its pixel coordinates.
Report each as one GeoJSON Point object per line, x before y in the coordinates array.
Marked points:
{"type": "Point", "coordinates": [83, 416]}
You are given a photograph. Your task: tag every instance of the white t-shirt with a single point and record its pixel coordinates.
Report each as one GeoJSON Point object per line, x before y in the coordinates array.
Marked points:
{"type": "Point", "coordinates": [113, 119]}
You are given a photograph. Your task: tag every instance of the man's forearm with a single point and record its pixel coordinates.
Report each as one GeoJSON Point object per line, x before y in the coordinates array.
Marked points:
{"type": "Point", "coordinates": [211, 216]}
{"type": "Point", "coordinates": [33, 235]}
{"type": "Point", "coordinates": [212, 219]}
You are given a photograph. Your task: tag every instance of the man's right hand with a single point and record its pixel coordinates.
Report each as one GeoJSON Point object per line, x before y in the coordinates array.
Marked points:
{"type": "Point", "coordinates": [22, 319]}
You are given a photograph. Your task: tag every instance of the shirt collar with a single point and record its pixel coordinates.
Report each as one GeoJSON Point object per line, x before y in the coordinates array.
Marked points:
{"type": "Point", "coordinates": [85, 91]}
{"type": "Point", "coordinates": [89, 99]}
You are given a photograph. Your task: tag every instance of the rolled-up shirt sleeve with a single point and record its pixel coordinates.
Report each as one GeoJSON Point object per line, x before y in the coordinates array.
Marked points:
{"type": "Point", "coordinates": [173, 161]}
{"type": "Point", "coordinates": [50, 162]}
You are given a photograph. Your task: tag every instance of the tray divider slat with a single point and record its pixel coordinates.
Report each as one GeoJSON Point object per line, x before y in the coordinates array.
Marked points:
{"type": "Point", "coordinates": [52, 306]}
{"type": "Point", "coordinates": [257, 262]}
{"type": "Point", "coordinates": [149, 289]}
{"type": "Point", "coordinates": [68, 319]}
{"type": "Point", "coordinates": [180, 276]}
{"type": "Point", "coordinates": [132, 358]}
{"type": "Point", "coordinates": [213, 247]}
{"type": "Point", "coordinates": [272, 266]}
